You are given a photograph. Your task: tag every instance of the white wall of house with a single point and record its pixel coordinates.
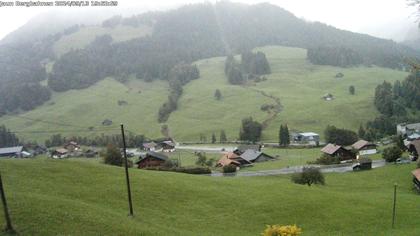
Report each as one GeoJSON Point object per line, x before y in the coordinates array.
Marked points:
{"type": "Point", "coordinates": [367, 152]}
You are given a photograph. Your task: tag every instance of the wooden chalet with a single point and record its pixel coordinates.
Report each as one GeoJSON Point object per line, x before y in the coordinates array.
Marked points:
{"type": "Point", "coordinates": [253, 156]}
{"type": "Point", "coordinates": [72, 146]}
{"type": "Point", "coordinates": [168, 146]}
{"type": "Point", "coordinates": [338, 151]}
{"type": "Point", "coordinates": [416, 178]}
{"type": "Point", "coordinates": [232, 158]}
{"type": "Point", "coordinates": [60, 153]}
{"type": "Point", "coordinates": [364, 147]}
{"type": "Point", "coordinates": [151, 159]}
{"type": "Point", "coordinates": [414, 149]}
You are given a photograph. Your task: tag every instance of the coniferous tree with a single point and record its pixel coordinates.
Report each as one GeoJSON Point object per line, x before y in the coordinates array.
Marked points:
{"type": "Point", "coordinates": [223, 137]}
{"type": "Point", "coordinates": [213, 138]}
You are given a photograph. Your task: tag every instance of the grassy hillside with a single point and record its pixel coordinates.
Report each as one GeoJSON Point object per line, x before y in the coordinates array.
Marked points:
{"type": "Point", "coordinates": [75, 197]}
{"type": "Point", "coordinates": [299, 85]}
{"type": "Point", "coordinates": [89, 107]}
{"type": "Point", "coordinates": [86, 35]}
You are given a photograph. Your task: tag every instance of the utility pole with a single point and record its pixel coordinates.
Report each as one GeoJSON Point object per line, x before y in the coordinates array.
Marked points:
{"type": "Point", "coordinates": [9, 227]}
{"type": "Point", "coordinates": [130, 203]}
{"type": "Point", "coordinates": [395, 202]}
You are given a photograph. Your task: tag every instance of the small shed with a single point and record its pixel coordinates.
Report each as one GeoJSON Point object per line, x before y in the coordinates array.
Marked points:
{"type": "Point", "coordinates": [328, 97]}
{"type": "Point", "coordinates": [416, 178]}
{"type": "Point", "coordinates": [151, 159]}
{"type": "Point", "coordinates": [60, 153]}
{"type": "Point", "coordinates": [307, 137]}
{"type": "Point", "coordinates": [338, 151]}
{"type": "Point", "coordinates": [364, 147]}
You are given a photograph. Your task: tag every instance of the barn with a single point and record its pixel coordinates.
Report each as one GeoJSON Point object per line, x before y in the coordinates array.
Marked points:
{"type": "Point", "coordinates": [151, 159]}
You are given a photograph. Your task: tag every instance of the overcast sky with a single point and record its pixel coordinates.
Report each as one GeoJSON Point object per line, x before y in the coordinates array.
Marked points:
{"type": "Point", "coordinates": [382, 18]}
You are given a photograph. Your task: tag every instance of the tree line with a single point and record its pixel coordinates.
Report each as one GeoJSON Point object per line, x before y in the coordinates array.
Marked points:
{"type": "Point", "coordinates": [251, 66]}
{"type": "Point", "coordinates": [7, 138]}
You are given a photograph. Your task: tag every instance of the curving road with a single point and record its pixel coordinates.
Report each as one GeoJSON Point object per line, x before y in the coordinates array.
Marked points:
{"type": "Point", "coordinates": [341, 168]}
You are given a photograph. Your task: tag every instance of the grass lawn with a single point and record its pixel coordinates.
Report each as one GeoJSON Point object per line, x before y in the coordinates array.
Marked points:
{"type": "Point", "coordinates": [70, 197]}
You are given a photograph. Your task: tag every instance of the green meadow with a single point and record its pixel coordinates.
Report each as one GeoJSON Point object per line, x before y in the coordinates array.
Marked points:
{"type": "Point", "coordinates": [79, 197]}
{"type": "Point", "coordinates": [297, 83]}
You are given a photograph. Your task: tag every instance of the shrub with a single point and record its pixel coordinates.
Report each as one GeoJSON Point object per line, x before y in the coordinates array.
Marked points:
{"type": "Point", "coordinates": [229, 169]}
{"type": "Point", "coordinates": [391, 154]}
{"type": "Point", "coordinates": [278, 230]}
{"type": "Point", "coordinates": [113, 156]}
{"type": "Point", "coordinates": [309, 176]}
{"type": "Point", "coordinates": [326, 160]}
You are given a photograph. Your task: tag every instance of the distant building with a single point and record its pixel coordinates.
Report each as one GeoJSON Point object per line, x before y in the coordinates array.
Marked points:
{"type": "Point", "coordinates": [18, 151]}
{"type": "Point", "coordinates": [151, 159]}
{"type": "Point", "coordinates": [72, 146]}
{"type": "Point", "coordinates": [150, 146]}
{"type": "Point", "coordinates": [338, 151]}
{"type": "Point", "coordinates": [253, 156]}
{"type": "Point", "coordinates": [60, 153]}
{"type": "Point", "coordinates": [307, 137]}
{"type": "Point", "coordinates": [364, 147]}
{"type": "Point", "coordinates": [408, 129]}
{"type": "Point", "coordinates": [242, 148]}
{"type": "Point", "coordinates": [168, 146]}
{"type": "Point", "coordinates": [328, 97]}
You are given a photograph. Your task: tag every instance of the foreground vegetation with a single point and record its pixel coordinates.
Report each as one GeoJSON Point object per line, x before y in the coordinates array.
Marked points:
{"type": "Point", "coordinates": [77, 197]}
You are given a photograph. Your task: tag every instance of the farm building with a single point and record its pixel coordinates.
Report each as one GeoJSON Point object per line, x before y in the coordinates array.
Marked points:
{"type": "Point", "coordinates": [328, 97]}
{"type": "Point", "coordinates": [414, 149]}
{"type": "Point", "coordinates": [416, 178]}
{"type": "Point", "coordinates": [408, 129]}
{"type": "Point", "coordinates": [364, 147]}
{"type": "Point", "coordinates": [307, 137]}
{"type": "Point", "coordinates": [242, 148]}
{"type": "Point", "coordinates": [252, 156]}
{"type": "Point", "coordinates": [72, 146]}
{"type": "Point", "coordinates": [232, 158]}
{"type": "Point", "coordinates": [150, 146]}
{"type": "Point", "coordinates": [338, 151]}
{"type": "Point", "coordinates": [168, 146]}
{"type": "Point", "coordinates": [151, 159]}
{"type": "Point", "coordinates": [18, 151]}
{"type": "Point", "coordinates": [60, 153]}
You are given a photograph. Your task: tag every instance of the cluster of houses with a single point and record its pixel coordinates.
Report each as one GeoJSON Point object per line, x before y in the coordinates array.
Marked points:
{"type": "Point", "coordinates": [164, 146]}
{"type": "Point", "coordinates": [356, 150]}
{"type": "Point", "coordinates": [72, 149]}
{"type": "Point", "coordinates": [244, 155]}
{"type": "Point", "coordinates": [411, 135]}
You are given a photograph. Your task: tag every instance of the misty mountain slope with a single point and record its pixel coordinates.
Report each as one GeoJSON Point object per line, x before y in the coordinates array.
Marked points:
{"type": "Point", "coordinates": [297, 83]}
{"type": "Point", "coordinates": [85, 35]}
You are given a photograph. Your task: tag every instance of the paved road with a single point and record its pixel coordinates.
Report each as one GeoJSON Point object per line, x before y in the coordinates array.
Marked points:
{"type": "Point", "coordinates": [294, 169]}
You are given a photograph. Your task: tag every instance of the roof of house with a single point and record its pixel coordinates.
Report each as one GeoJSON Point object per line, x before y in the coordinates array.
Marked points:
{"type": "Point", "coordinates": [11, 150]}
{"type": "Point", "coordinates": [416, 173]}
{"type": "Point", "coordinates": [309, 134]}
{"type": "Point", "coordinates": [413, 126]}
{"type": "Point", "coordinates": [61, 150]}
{"type": "Point", "coordinates": [149, 145]}
{"type": "Point", "coordinates": [243, 148]}
{"type": "Point", "coordinates": [225, 161]}
{"type": "Point", "coordinates": [169, 143]}
{"type": "Point", "coordinates": [155, 155]}
{"type": "Point", "coordinates": [361, 143]}
{"type": "Point", "coordinates": [330, 148]}
{"type": "Point", "coordinates": [231, 155]}
{"type": "Point", "coordinates": [251, 155]}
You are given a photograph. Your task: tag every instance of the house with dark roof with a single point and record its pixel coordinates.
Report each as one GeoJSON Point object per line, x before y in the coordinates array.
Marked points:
{"type": "Point", "coordinates": [60, 153]}
{"type": "Point", "coordinates": [168, 146]}
{"type": "Point", "coordinates": [151, 159]}
{"type": "Point", "coordinates": [72, 146]}
{"type": "Point", "coordinates": [12, 151]}
{"type": "Point", "coordinates": [408, 129]}
{"type": "Point", "coordinates": [364, 147]}
{"type": "Point", "coordinates": [414, 149]}
{"type": "Point", "coordinates": [242, 148]}
{"type": "Point", "coordinates": [253, 156]}
{"type": "Point", "coordinates": [338, 151]}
